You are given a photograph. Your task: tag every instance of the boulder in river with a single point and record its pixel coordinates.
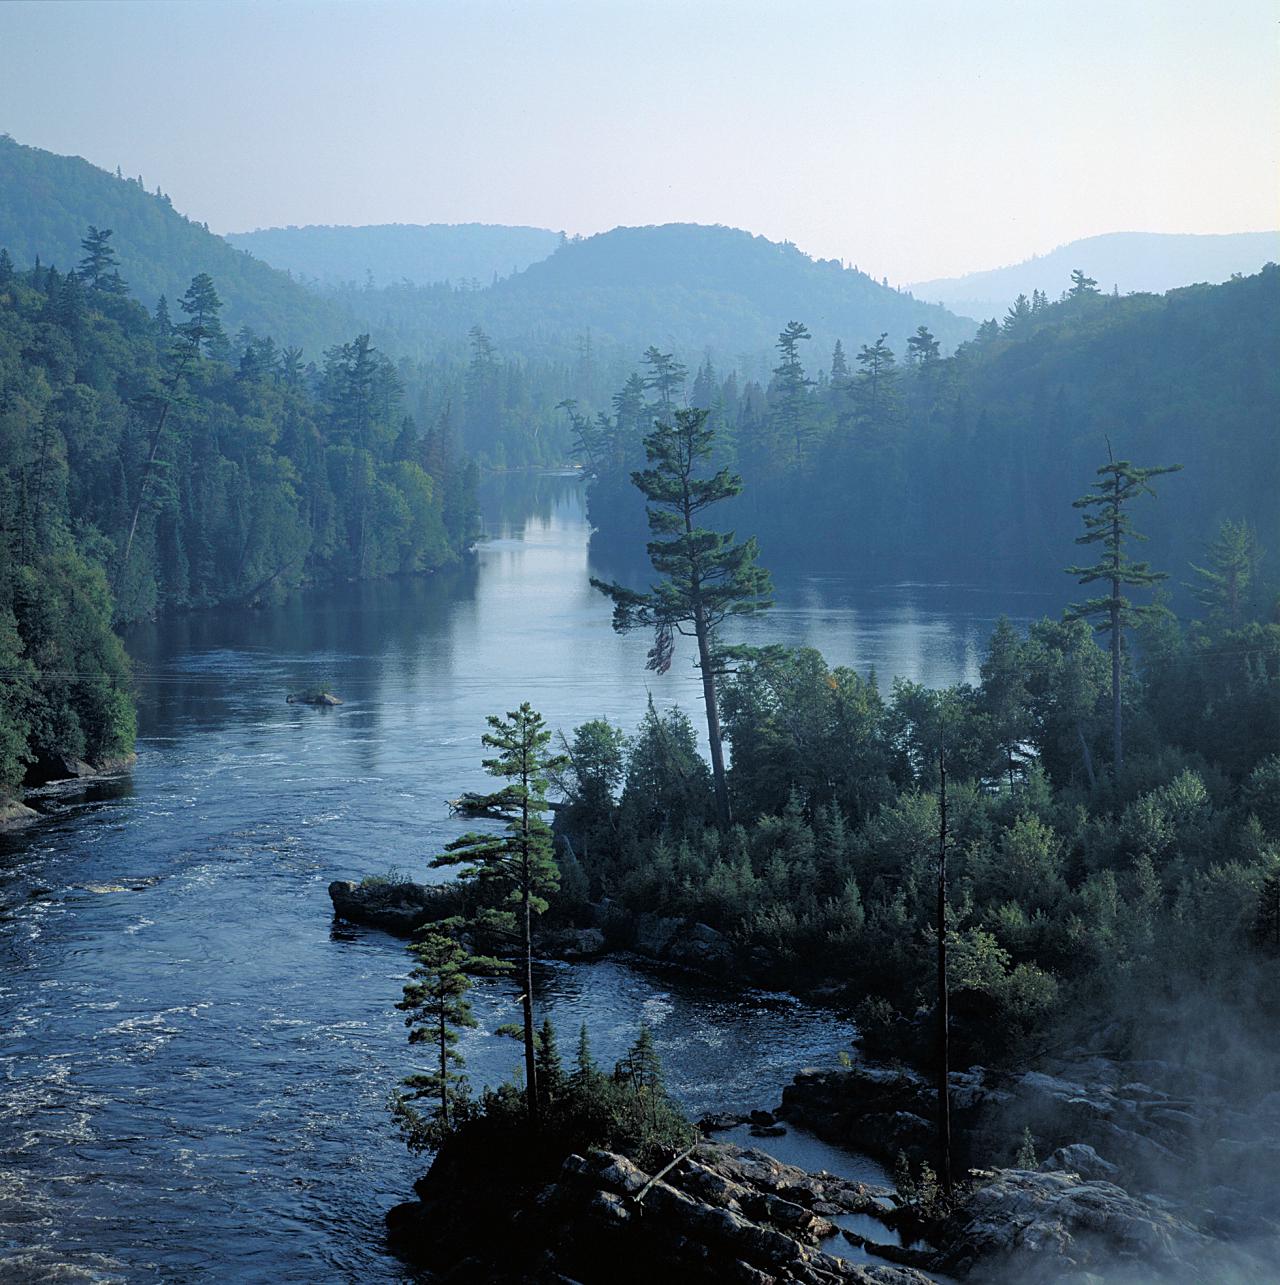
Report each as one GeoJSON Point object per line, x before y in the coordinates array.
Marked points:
{"type": "Point", "coordinates": [396, 906]}
{"type": "Point", "coordinates": [320, 696]}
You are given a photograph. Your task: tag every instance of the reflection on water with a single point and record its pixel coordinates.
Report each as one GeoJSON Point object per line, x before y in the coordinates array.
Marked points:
{"type": "Point", "coordinates": [195, 1061]}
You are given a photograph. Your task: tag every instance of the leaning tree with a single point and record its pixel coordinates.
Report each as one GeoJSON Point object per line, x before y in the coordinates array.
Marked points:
{"type": "Point", "coordinates": [707, 575]}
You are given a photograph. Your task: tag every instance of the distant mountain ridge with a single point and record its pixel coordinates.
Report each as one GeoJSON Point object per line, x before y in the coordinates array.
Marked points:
{"type": "Point", "coordinates": [1132, 262]}
{"type": "Point", "coordinates": [421, 253]}
{"type": "Point", "coordinates": [48, 201]}
{"type": "Point", "coordinates": [688, 288]}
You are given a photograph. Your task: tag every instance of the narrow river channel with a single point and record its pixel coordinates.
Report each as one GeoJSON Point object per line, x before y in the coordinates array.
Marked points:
{"type": "Point", "coordinates": [195, 1059]}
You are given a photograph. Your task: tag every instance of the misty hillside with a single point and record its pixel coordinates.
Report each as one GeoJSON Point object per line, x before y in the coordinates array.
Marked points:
{"type": "Point", "coordinates": [390, 252]}
{"type": "Point", "coordinates": [684, 287]}
{"type": "Point", "coordinates": [48, 201]}
{"type": "Point", "coordinates": [1132, 262]}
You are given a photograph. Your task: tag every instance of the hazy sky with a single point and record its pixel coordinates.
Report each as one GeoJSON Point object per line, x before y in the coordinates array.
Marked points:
{"type": "Point", "coordinates": [916, 138]}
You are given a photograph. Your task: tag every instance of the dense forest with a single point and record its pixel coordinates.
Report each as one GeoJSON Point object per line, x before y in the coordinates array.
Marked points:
{"type": "Point", "coordinates": [911, 463]}
{"type": "Point", "coordinates": [150, 462]}
{"type": "Point", "coordinates": [46, 201]}
{"type": "Point", "coordinates": [469, 255]}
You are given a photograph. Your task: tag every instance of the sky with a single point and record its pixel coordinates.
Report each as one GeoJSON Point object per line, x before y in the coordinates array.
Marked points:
{"type": "Point", "coordinates": [914, 138]}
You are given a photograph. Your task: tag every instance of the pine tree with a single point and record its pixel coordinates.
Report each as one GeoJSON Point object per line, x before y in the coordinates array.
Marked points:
{"type": "Point", "coordinates": [518, 863]}
{"type": "Point", "coordinates": [436, 1007]}
{"type": "Point", "coordinates": [708, 577]}
{"type": "Point", "coordinates": [1224, 584]}
{"type": "Point", "coordinates": [789, 392]}
{"type": "Point", "coordinates": [202, 331]}
{"type": "Point", "coordinates": [839, 366]}
{"type": "Point", "coordinates": [922, 348]}
{"type": "Point", "coordinates": [665, 378]}
{"type": "Point", "coordinates": [1081, 285]}
{"type": "Point", "coordinates": [585, 1070]}
{"type": "Point", "coordinates": [546, 1059]}
{"type": "Point", "coordinates": [1107, 522]}
{"type": "Point", "coordinates": [100, 267]}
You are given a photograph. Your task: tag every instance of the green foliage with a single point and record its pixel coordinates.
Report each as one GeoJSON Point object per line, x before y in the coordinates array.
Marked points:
{"type": "Point", "coordinates": [1067, 900]}
{"type": "Point", "coordinates": [1026, 1157]}
{"type": "Point", "coordinates": [436, 1009]}
{"type": "Point", "coordinates": [183, 471]}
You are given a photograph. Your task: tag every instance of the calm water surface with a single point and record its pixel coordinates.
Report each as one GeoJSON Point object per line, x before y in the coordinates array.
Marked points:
{"type": "Point", "coordinates": [195, 1059]}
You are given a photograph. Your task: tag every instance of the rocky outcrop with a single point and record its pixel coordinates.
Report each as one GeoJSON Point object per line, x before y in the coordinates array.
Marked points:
{"type": "Point", "coordinates": [1151, 1127]}
{"type": "Point", "coordinates": [14, 815]}
{"type": "Point", "coordinates": [720, 1215]}
{"type": "Point", "coordinates": [402, 907]}
{"type": "Point", "coordinates": [399, 907]}
{"type": "Point", "coordinates": [683, 942]}
{"type": "Point", "coordinates": [1039, 1227]}
{"type": "Point", "coordinates": [66, 767]}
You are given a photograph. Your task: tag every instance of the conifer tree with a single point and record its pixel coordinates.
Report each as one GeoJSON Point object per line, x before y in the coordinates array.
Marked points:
{"type": "Point", "coordinates": [665, 378]}
{"type": "Point", "coordinates": [436, 1007]}
{"type": "Point", "coordinates": [1107, 522]}
{"type": "Point", "coordinates": [1225, 582]}
{"type": "Point", "coordinates": [202, 331]}
{"type": "Point", "coordinates": [708, 576]}
{"type": "Point", "coordinates": [1081, 285]}
{"type": "Point", "coordinates": [790, 390]}
{"type": "Point", "coordinates": [518, 864]}
{"type": "Point", "coordinates": [100, 266]}
{"type": "Point", "coordinates": [549, 1066]}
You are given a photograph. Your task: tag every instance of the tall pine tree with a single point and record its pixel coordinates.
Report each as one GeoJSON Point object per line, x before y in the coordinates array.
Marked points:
{"type": "Point", "coordinates": [708, 576]}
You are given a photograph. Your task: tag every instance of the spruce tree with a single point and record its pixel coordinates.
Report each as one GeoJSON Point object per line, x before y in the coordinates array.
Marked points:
{"type": "Point", "coordinates": [1107, 522]}
{"type": "Point", "coordinates": [517, 864]}
{"type": "Point", "coordinates": [436, 1007]}
{"type": "Point", "coordinates": [789, 392]}
{"type": "Point", "coordinates": [1225, 582]}
{"type": "Point", "coordinates": [100, 267]}
{"type": "Point", "coordinates": [709, 577]}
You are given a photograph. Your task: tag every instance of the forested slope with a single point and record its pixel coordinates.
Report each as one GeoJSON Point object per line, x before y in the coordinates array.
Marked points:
{"type": "Point", "coordinates": [468, 254]}
{"type": "Point", "coordinates": [911, 463]}
{"type": "Point", "coordinates": [685, 287]}
{"type": "Point", "coordinates": [148, 463]}
{"type": "Point", "coordinates": [47, 201]}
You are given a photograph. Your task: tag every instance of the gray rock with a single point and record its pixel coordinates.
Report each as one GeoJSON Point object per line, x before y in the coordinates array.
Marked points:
{"type": "Point", "coordinates": [1079, 1158]}
{"type": "Point", "coordinates": [1039, 1227]}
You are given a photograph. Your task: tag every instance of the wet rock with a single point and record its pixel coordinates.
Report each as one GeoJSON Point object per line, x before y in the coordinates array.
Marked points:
{"type": "Point", "coordinates": [1081, 1159]}
{"type": "Point", "coordinates": [720, 1122]}
{"type": "Point", "coordinates": [396, 907]}
{"type": "Point", "coordinates": [722, 1214]}
{"type": "Point", "coordinates": [572, 943]}
{"type": "Point", "coordinates": [768, 1130]}
{"type": "Point", "coordinates": [14, 815]}
{"type": "Point", "coordinates": [319, 698]}
{"type": "Point", "coordinates": [1042, 1227]}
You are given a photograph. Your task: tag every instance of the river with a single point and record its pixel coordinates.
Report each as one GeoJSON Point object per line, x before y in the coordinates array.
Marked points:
{"type": "Point", "coordinates": [196, 1059]}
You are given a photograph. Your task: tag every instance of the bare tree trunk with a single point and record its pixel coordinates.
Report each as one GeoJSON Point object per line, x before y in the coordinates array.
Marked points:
{"type": "Point", "coordinates": [526, 1000]}
{"type": "Point", "coordinates": [714, 737]}
{"type": "Point", "coordinates": [1117, 730]}
{"type": "Point", "coordinates": [944, 1015]}
{"type": "Point", "coordinates": [444, 1067]}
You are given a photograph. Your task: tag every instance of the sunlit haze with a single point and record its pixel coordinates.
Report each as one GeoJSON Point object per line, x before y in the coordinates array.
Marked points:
{"type": "Point", "coordinates": [915, 140]}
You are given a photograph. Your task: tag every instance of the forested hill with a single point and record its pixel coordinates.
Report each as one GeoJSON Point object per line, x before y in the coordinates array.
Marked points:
{"type": "Point", "coordinates": [684, 287]}
{"type": "Point", "coordinates": [47, 201]}
{"type": "Point", "coordinates": [150, 463]}
{"type": "Point", "coordinates": [467, 254]}
{"type": "Point", "coordinates": [965, 468]}
{"type": "Point", "coordinates": [1130, 262]}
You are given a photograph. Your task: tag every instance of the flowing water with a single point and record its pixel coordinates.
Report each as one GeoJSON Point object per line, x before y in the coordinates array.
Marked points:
{"type": "Point", "coordinates": [195, 1058]}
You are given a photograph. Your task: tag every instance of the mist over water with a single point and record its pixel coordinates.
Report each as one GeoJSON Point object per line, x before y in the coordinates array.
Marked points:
{"type": "Point", "coordinates": [196, 1059]}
